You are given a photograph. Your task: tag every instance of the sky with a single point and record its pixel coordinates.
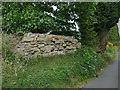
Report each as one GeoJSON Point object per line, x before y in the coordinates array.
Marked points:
{"type": "Point", "coordinates": [119, 26]}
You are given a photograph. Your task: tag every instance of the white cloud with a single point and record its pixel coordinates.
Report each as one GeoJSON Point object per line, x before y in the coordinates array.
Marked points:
{"type": "Point", "coordinates": [50, 14]}
{"type": "Point", "coordinates": [54, 8]}
{"type": "Point", "coordinates": [119, 26]}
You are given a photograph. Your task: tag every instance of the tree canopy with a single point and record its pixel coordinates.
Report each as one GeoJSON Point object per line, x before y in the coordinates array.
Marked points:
{"type": "Point", "coordinates": [91, 18]}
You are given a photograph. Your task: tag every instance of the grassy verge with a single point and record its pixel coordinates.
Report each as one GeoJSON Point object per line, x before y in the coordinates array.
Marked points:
{"type": "Point", "coordinates": [52, 71]}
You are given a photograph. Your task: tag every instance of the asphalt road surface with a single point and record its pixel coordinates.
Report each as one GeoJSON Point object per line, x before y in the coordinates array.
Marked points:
{"type": "Point", "coordinates": [109, 78]}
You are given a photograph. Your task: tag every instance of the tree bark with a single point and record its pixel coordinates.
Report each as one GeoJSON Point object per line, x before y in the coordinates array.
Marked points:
{"type": "Point", "coordinates": [102, 37]}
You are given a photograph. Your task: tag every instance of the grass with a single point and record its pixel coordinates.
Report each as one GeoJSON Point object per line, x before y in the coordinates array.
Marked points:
{"type": "Point", "coordinates": [52, 71]}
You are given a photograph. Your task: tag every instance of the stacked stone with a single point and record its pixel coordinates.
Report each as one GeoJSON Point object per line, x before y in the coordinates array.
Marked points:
{"type": "Point", "coordinates": [34, 44]}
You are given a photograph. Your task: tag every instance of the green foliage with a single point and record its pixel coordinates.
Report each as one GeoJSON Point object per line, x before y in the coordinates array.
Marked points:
{"type": "Point", "coordinates": [108, 49]}
{"type": "Point", "coordinates": [113, 36]}
{"type": "Point", "coordinates": [86, 20]}
{"type": "Point", "coordinates": [92, 18]}
{"type": "Point", "coordinates": [91, 59]}
{"type": "Point", "coordinates": [25, 17]}
{"type": "Point", "coordinates": [106, 15]}
{"type": "Point", "coordinates": [111, 56]}
{"type": "Point", "coordinates": [33, 17]}
{"type": "Point", "coordinates": [8, 44]}
{"type": "Point", "coordinates": [83, 14]}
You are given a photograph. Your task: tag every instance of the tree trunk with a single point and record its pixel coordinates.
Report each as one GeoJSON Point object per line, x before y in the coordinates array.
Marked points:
{"type": "Point", "coordinates": [103, 37]}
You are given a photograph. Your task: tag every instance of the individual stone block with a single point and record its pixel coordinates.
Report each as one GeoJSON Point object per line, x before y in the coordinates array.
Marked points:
{"type": "Point", "coordinates": [36, 49]}
{"type": "Point", "coordinates": [50, 53]}
{"type": "Point", "coordinates": [74, 40]}
{"type": "Point", "coordinates": [41, 36]}
{"type": "Point", "coordinates": [32, 52]}
{"type": "Point", "coordinates": [69, 48]}
{"type": "Point", "coordinates": [28, 34]}
{"type": "Point", "coordinates": [27, 39]}
{"type": "Point", "coordinates": [20, 45]}
{"type": "Point", "coordinates": [33, 42]}
{"type": "Point", "coordinates": [58, 37]}
{"type": "Point", "coordinates": [48, 48]}
{"type": "Point", "coordinates": [42, 49]}
{"type": "Point", "coordinates": [64, 45]}
{"type": "Point", "coordinates": [49, 39]}
{"type": "Point", "coordinates": [57, 42]}
{"type": "Point", "coordinates": [49, 36]}
{"type": "Point", "coordinates": [78, 45]}
{"type": "Point", "coordinates": [60, 52]}
{"type": "Point", "coordinates": [41, 39]}
{"type": "Point", "coordinates": [26, 54]}
{"type": "Point", "coordinates": [41, 45]}
{"type": "Point", "coordinates": [34, 45]}
{"type": "Point", "coordinates": [61, 48]}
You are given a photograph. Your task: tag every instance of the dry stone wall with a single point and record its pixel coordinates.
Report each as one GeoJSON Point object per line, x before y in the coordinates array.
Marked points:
{"type": "Point", "coordinates": [34, 44]}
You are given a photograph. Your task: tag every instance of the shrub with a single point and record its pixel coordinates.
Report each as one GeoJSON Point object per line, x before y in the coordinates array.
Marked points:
{"type": "Point", "coordinates": [113, 35]}
{"type": "Point", "coordinates": [26, 17]}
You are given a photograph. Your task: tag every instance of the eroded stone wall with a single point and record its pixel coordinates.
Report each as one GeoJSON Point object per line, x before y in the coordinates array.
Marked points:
{"type": "Point", "coordinates": [34, 44]}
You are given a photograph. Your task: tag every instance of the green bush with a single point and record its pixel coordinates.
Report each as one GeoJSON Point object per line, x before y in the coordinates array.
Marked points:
{"type": "Point", "coordinates": [34, 17]}
{"type": "Point", "coordinates": [113, 36]}
{"type": "Point", "coordinates": [26, 17]}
